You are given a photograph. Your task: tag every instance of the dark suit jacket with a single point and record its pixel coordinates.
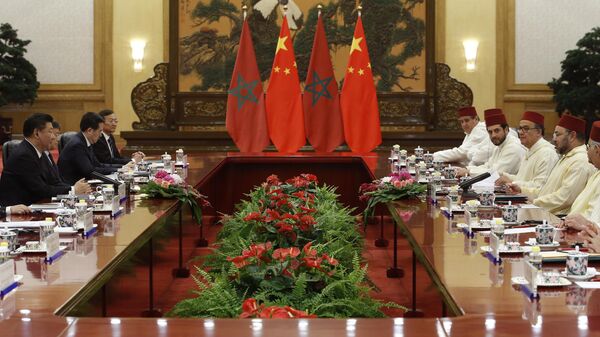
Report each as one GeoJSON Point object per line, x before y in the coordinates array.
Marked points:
{"type": "Point", "coordinates": [25, 178]}
{"type": "Point", "coordinates": [52, 173]}
{"type": "Point", "coordinates": [77, 161]}
{"type": "Point", "coordinates": [102, 152]}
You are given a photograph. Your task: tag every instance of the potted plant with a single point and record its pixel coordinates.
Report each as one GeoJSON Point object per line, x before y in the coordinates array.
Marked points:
{"type": "Point", "coordinates": [18, 77]}
{"type": "Point", "coordinates": [577, 90]}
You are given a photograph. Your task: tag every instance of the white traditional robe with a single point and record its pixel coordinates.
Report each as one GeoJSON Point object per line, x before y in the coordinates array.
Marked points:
{"type": "Point", "coordinates": [480, 154]}
{"type": "Point", "coordinates": [566, 180]}
{"type": "Point", "coordinates": [536, 166]}
{"type": "Point", "coordinates": [506, 158]}
{"type": "Point", "coordinates": [586, 201]}
{"type": "Point", "coordinates": [464, 152]}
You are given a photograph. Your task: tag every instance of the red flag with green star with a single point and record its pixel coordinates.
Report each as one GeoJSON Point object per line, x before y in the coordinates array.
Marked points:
{"type": "Point", "coordinates": [321, 98]}
{"type": "Point", "coordinates": [284, 98]}
{"type": "Point", "coordinates": [358, 98]}
{"type": "Point", "coordinates": [246, 120]}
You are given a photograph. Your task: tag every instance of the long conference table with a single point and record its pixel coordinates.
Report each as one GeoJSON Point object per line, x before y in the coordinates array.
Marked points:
{"type": "Point", "coordinates": [478, 295]}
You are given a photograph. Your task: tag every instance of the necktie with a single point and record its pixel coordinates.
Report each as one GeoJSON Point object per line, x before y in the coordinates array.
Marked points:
{"type": "Point", "coordinates": [110, 147]}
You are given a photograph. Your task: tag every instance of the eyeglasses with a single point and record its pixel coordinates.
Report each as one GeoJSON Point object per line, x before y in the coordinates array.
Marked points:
{"type": "Point", "coordinates": [526, 129]}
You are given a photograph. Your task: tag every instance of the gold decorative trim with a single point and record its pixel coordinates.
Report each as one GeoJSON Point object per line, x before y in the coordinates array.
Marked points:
{"type": "Point", "coordinates": [201, 108]}
{"type": "Point", "coordinates": [451, 95]}
{"type": "Point", "coordinates": [149, 100]}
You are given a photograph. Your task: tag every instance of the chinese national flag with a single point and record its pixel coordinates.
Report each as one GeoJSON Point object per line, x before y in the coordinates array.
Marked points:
{"type": "Point", "coordinates": [246, 120]}
{"type": "Point", "coordinates": [284, 98]}
{"type": "Point", "coordinates": [322, 114]}
{"type": "Point", "coordinates": [359, 99]}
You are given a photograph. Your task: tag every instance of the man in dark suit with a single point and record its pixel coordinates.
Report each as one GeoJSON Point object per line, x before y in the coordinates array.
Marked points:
{"type": "Point", "coordinates": [77, 159]}
{"type": "Point", "coordinates": [25, 177]}
{"type": "Point", "coordinates": [105, 148]}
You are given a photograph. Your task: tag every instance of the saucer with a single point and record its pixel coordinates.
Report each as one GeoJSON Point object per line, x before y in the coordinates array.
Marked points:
{"type": "Point", "coordinates": [562, 282]}
{"type": "Point", "coordinates": [69, 230]}
{"type": "Point", "coordinates": [503, 250]}
{"type": "Point", "coordinates": [478, 226]}
{"type": "Point", "coordinates": [24, 250]}
{"type": "Point", "coordinates": [591, 272]}
{"type": "Point", "coordinates": [532, 242]}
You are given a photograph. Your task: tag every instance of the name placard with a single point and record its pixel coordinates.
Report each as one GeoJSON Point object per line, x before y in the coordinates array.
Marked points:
{"type": "Point", "coordinates": [531, 275]}
{"type": "Point", "coordinates": [87, 221]}
{"type": "Point", "coordinates": [121, 192]}
{"type": "Point", "coordinates": [115, 209]}
{"type": "Point", "coordinates": [495, 245]}
{"type": "Point", "coordinates": [7, 273]}
{"type": "Point", "coordinates": [52, 245]}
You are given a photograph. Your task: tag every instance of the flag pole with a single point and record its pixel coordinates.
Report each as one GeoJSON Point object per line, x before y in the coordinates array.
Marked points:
{"type": "Point", "coordinates": [245, 11]}
{"type": "Point", "coordinates": [320, 7]}
{"type": "Point", "coordinates": [359, 8]}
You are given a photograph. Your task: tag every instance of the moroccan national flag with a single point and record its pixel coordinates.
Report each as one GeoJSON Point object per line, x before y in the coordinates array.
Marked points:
{"type": "Point", "coordinates": [323, 119]}
{"type": "Point", "coordinates": [246, 120]}
{"type": "Point", "coordinates": [359, 99]}
{"type": "Point", "coordinates": [284, 98]}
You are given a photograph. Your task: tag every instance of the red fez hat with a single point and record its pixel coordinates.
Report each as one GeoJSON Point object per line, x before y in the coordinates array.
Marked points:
{"type": "Point", "coordinates": [595, 132]}
{"type": "Point", "coordinates": [495, 119]}
{"type": "Point", "coordinates": [572, 123]}
{"type": "Point", "coordinates": [490, 112]}
{"type": "Point", "coordinates": [467, 111]}
{"type": "Point", "coordinates": [534, 117]}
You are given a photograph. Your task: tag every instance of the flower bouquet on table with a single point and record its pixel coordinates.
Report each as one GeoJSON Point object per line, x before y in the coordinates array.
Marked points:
{"type": "Point", "coordinates": [398, 186]}
{"type": "Point", "coordinates": [172, 186]}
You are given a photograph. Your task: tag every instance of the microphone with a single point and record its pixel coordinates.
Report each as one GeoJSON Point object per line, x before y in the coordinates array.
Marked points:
{"type": "Point", "coordinates": [465, 185]}
{"type": "Point", "coordinates": [104, 178]}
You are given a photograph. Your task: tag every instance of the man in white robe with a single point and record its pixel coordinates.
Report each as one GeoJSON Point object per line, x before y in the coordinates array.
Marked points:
{"type": "Point", "coordinates": [507, 154]}
{"type": "Point", "coordinates": [585, 211]}
{"type": "Point", "coordinates": [475, 136]}
{"type": "Point", "coordinates": [541, 155]}
{"type": "Point", "coordinates": [570, 174]}
{"type": "Point", "coordinates": [483, 152]}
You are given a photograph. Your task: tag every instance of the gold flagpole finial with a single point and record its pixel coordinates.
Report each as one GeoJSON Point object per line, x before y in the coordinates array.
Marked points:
{"type": "Point", "coordinates": [359, 8]}
{"type": "Point", "coordinates": [285, 8]}
{"type": "Point", "coordinates": [245, 10]}
{"type": "Point", "coordinates": [320, 7]}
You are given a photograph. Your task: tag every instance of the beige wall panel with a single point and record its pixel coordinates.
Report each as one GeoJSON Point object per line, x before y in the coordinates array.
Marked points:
{"type": "Point", "coordinates": [471, 19]}
{"type": "Point", "coordinates": [135, 19]}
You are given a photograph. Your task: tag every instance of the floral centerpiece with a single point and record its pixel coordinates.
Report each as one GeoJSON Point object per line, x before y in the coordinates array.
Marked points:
{"type": "Point", "coordinates": [395, 187]}
{"type": "Point", "coordinates": [291, 250]}
{"type": "Point", "coordinates": [172, 186]}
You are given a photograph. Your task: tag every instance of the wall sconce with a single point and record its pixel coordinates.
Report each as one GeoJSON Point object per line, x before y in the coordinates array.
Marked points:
{"type": "Point", "coordinates": [470, 53]}
{"type": "Point", "coordinates": [137, 54]}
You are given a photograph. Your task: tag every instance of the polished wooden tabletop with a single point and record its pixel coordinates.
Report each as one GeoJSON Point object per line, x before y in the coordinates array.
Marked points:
{"type": "Point", "coordinates": [474, 284]}
{"type": "Point", "coordinates": [478, 289]}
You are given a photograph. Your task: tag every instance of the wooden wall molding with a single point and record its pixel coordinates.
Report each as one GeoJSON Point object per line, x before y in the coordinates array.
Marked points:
{"type": "Point", "coordinates": [513, 97]}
